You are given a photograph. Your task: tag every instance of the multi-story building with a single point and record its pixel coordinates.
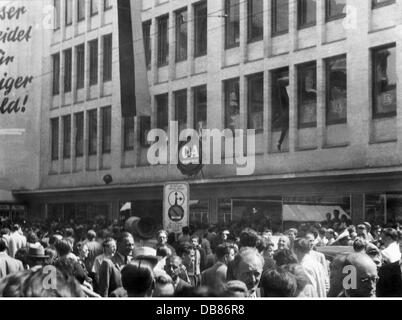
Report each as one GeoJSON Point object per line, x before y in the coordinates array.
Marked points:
{"type": "Point", "coordinates": [317, 80]}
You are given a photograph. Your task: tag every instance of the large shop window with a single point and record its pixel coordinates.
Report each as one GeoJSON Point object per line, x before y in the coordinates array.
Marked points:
{"type": "Point", "coordinates": [200, 107]}
{"type": "Point", "coordinates": [163, 41]}
{"type": "Point", "coordinates": [200, 29]}
{"type": "Point", "coordinates": [307, 13]}
{"type": "Point", "coordinates": [180, 109]}
{"type": "Point", "coordinates": [384, 81]}
{"type": "Point", "coordinates": [307, 95]}
{"type": "Point", "coordinates": [280, 17]}
{"type": "Point", "coordinates": [162, 112]}
{"type": "Point", "coordinates": [232, 24]}
{"type": "Point", "coordinates": [383, 209]}
{"type": "Point", "coordinates": [280, 103]}
{"type": "Point", "coordinates": [67, 137]}
{"type": "Point", "coordinates": [181, 35]}
{"type": "Point", "coordinates": [336, 90]}
{"type": "Point", "coordinates": [54, 127]}
{"type": "Point", "coordinates": [255, 112]}
{"type": "Point", "coordinates": [255, 20]}
{"type": "Point", "coordinates": [335, 9]}
{"type": "Point", "coordinates": [79, 134]}
{"type": "Point", "coordinates": [199, 212]}
{"type": "Point", "coordinates": [232, 104]}
{"type": "Point", "coordinates": [146, 33]}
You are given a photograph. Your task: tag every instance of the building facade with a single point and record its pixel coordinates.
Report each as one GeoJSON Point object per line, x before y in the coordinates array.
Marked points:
{"type": "Point", "coordinates": [316, 80]}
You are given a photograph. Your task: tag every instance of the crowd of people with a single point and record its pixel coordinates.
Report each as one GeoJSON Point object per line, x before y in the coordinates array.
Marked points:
{"type": "Point", "coordinates": [92, 260]}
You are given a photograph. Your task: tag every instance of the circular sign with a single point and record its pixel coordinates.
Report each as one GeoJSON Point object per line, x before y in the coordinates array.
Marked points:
{"type": "Point", "coordinates": [190, 157]}
{"type": "Point", "coordinates": [176, 213]}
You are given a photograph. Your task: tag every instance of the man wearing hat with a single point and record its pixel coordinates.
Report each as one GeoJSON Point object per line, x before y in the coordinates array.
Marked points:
{"type": "Point", "coordinates": [36, 256]}
{"type": "Point", "coordinates": [8, 265]}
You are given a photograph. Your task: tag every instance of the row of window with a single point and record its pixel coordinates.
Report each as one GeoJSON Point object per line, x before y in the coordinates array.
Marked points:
{"type": "Point", "coordinates": [306, 16]}
{"type": "Point", "coordinates": [68, 10]}
{"type": "Point", "coordinates": [78, 125]}
{"type": "Point", "coordinates": [80, 65]}
{"type": "Point", "coordinates": [383, 88]}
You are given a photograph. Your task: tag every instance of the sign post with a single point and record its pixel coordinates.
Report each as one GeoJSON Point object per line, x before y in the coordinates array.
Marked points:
{"type": "Point", "coordinates": [176, 206]}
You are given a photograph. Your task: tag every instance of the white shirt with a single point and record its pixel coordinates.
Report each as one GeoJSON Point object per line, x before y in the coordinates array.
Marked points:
{"type": "Point", "coordinates": [392, 253]}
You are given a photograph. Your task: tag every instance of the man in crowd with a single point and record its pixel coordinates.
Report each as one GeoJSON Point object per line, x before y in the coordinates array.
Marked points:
{"type": "Point", "coordinates": [110, 270]}
{"type": "Point", "coordinates": [16, 241]}
{"type": "Point", "coordinates": [391, 253]}
{"type": "Point", "coordinates": [175, 269]}
{"type": "Point", "coordinates": [215, 277]}
{"type": "Point", "coordinates": [390, 280]}
{"type": "Point", "coordinates": [247, 267]}
{"type": "Point", "coordinates": [94, 249]}
{"type": "Point", "coordinates": [162, 237]}
{"type": "Point", "coordinates": [8, 265]}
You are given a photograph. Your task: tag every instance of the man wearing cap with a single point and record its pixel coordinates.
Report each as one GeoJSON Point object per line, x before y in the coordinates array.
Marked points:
{"type": "Point", "coordinates": [391, 253]}
{"type": "Point", "coordinates": [8, 265]}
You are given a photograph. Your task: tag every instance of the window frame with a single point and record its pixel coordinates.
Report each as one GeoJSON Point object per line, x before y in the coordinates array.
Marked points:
{"type": "Point", "coordinates": [66, 137]}
{"type": "Point", "coordinates": [227, 100]}
{"type": "Point", "coordinates": [374, 114]}
{"type": "Point", "coordinates": [92, 132]}
{"type": "Point", "coordinates": [57, 15]}
{"type": "Point", "coordinates": [80, 62]}
{"type": "Point", "coordinates": [178, 58]}
{"type": "Point", "coordinates": [165, 112]}
{"type": "Point", "coordinates": [375, 4]}
{"type": "Point", "coordinates": [197, 103]}
{"type": "Point", "coordinates": [197, 17]}
{"type": "Point", "coordinates": [274, 76]}
{"type": "Point", "coordinates": [107, 58]}
{"type": "Point", "coordinates": [230, 45]}
{"type": "Point", "coordinates": [68, 22]}
{"type": "Point", "coordinates": [252, 38]}
{"type": "Point", "coordinates": [301, 26]}
{"type": "Point", "coordinates": [77, 130]}
{"type": "Point", "coordinates": [328, 16]}
{"type": "Point", "coordinates": [56, 74]}
{"type": "Point", "coordinates": [81, 18]}
{"type": "Point", "coordinates": [92, 13]}
{"type": "Point", "coordinates": [250, 78]}
{"type": "Point", "coordinates": [126, 133]}
{"type": "Point", "coordinates": [146, 26]}
{"type": "Point", "coordinates": [177, 95]}
{"type": "Point", "coordinates": [93, 65]}
{"type": "Point", "coordinates": [106, 128]}
{"type": "Point", "coordinates": [68, 69]}
{"type": "Point", "coordinates": [327, 92]}
{"type": "Point", "coordinates": [54, 139]}
{"type": "Point", "coordinates": [274, 32]}
{"type": "Point", "coordinates": [105, 7]}
{"type": "Point", "coordinates": [163, 57]}
{"type": "Point", "coordinates": [305, 66]}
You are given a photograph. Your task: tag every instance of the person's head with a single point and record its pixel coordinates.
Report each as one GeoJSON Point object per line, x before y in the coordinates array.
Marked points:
{"type": "Point", "coordinates": [248, 238]}
{"type": "Point", "coordinates": [292, 234]}
{"type": "Point", "coordinates": [278, 283]}
{"type": "Point", "coordinates": [54, 238]}
{"type": "Point", "coordinates": [328, 216]}
{"type": "Point", "coordinates": [29, 284]}
{"type": "Point", "coordinates": [300, 274]}
{"type": "Point", "coordinates": [195, 240]}
{"type": "Point", "coordinates": [83, 250]}
{"type": "Point", "coordinates": [374, 253]}
{"type": "Point", "coordinates": [69, 232]}
{"type": "Point", "coordinates": [22, 255]}
{"type": "Point", "coordinates": [389, 236]}
{"type": "Point", "coordinates": [71, 267]}
{"type": "Point", "coordinates": [36, 256]}
{"type": "Point", "coordinates": [283, 242]}
{"type": "Point", "coordinates": [267, 233]}
{"type": "Point", "coordinates": [322, 231]}
{"type": "Point", "coordinates": [359, 245]}
{"type": "Point", "coordinates": [336, 214]}
{"type": "Point", "coordinates": [162, 237]}
{"type": "Point", "coordinates": [137, 278]}
{"type": "Point", "coordinates": [3, 245]}
{"type": "Point", "coordinates": [301, 248]}
{"type": "Point", "coordinates": [284, 257]}
{"type": "Point", "coordinates": [91, 235]}
{"type": "Point", "coordinates": [247, 267]}
{"type": "Point", "coordinates": [109, 246]}
{"type": "Point", "coordinates": [163, 284]}
{"type": "Point", "coordinates": [63, 247]}
{"type": "Point", "coordinates": [368, 226]}
{"type": "Point", "coordinates": [330, 234]}
{"type": "Point", "coordinates": [361, 231]}
{"type": "Point", "coordinates": [310, 238]}
{"type": "Point", "coordinates": [126, 244]}
{"type": "Point", "coordinates": [224, 235]}
{"type": "Point", "coordinates": [185, 231]}
{"type": "Point", "coordinates": [236, 288]}
{"type": "Point", "coordinates": [32, 237]}
{"type": "Point", "coordinates": [173, 266]}
{"type": "Point", "coordinates": [163, 251]}
{"type": "Point", "coordinates": [187, 253]}
{"type": "Point", "coordinates": [225, 253]}
{"type": "Point", "coordinates": [365, 271]}
{"type": "Point", "coordinates": [4, 231]}
{"type": "Point", "coordinates": [16, 227]}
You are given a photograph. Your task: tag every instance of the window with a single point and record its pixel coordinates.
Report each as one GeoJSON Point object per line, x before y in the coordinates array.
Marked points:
{"type": "Point", "coordinates": [162, 116]}
{"type": "Point", "coordinates": [93, 62]}
{"type": "Point", "coordinates": [94, 7]}
{"type": "Point", "coordinates": [335, 9]}
{"type": "Point", "coordinates": [57, 14]}
{"type": "Point", "coordinates": [232, 23]}
{"type": "Point", "coordinates": [107, 58]}
{"type": "Point", "coordinates": [67, 70]}
{"type": "Point", "coordinates": [255, 20]}
{"type": "Point", "coordinates": [280, 17]}
{"type": "Point", "coordinates": [67, 137]}
{"type": "Point", "coordinates": [307, 13]}
{"type": "Point", "coordinates": [200, 29]}
{"type": "Point", "coordinates": [80, 10]}
{"type": "Point", "coordinates": [54, 123]}
{"type": "Point", "coordinates": [106, 114]}
{"type": "Point", "coordinates": [336, 90]}
{"type": "Point", "coordinates": [128, 133]}
{"type": "Point", "coordinates": [163, 38]}
{"type": "Point", "coordinates": [384, 82]}
{"type": "Point", "coordinates": [181, 35]}
{"type": "Point", "coordinates": [80, 66]}
{"type": "Point", "coordinates": [92, 132]}
{"type": "Point", "coordinates": [107, 4]}
{"type": "Point", "coordinates": [69, 12]}
{"type": "Point", "coordinates": [232, 104]}
{"type": "Point", "coordinates": [180, 109]}
{"type": "Point", "coordinates": [56, 74]}
{"type": "Point", "coordinates": [79, 134]}
{"type": "Point", "coordinates": [200, 107]}
{"type": "Point", "coordinates": [146, 29]}
{"type": "Point", "coordinates": [255, 112]}
{"type": "Point", "coordinates": [381, 3]}
{"type": "Point", "coordinates": [280, 104]}
{"type": "Point", "coordinates": [307, 95]}
{"type": "Point", "coordinates": [383, 209]}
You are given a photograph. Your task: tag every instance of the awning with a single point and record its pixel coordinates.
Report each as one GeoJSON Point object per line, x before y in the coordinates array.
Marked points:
{"type": "Point", "coordinates": [6, 196]}
{"type": "Point", "coordinates": [303, 213]}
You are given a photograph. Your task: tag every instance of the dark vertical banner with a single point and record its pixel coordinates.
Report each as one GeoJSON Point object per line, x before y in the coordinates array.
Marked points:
{"type": "Point", "coordinates": [126, 58]}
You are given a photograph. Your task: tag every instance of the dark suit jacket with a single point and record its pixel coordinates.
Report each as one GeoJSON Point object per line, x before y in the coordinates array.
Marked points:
{"type": "Point", "coordinates": [109, 274]}
{"type": "Point", "coordinates": [9, 265]}
{"type": "Point", "coordinates": [390, 283]}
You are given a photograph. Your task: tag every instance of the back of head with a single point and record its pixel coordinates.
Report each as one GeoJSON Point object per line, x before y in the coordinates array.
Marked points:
{"type": "Point", "coordinates": [284, 257]}
{"type": "Point", "coordinates": [163, 251]}
{"type": "Point", "coordinates": [302, 247]}
{"type": "Point", "coordinates": [15, 227]}
{"type": "Point", "coordinates": [163, 284]}
{"type": "Point", "coordinates": [138, 278]}
{"type": "Point", "coordinates": [359, 245]}
{"type": "Point", "coordinates": [249, 238]}
{"type": "Point", "coordinates": [71, 268]}
{"type": "Point", "coordinates": [91, 235]}
{"type": "Point", "coordinates": [278, 283]}
{"type": "Point", "coordinates": [63, 247]}
{"type": "Point", "coordinates": [236, 288]}
{"type": "Point", "coordinates": [391, 233]}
